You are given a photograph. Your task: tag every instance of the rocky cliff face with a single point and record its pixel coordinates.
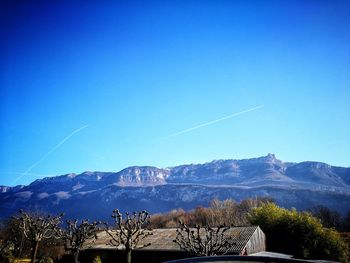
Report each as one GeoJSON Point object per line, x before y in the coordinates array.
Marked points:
{"type": "Point", "coordinates": [142, 176]}
{"type": "Point", "coordinates": [95, 194]}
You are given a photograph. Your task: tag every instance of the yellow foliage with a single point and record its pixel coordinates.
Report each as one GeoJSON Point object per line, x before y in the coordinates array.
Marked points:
{"type": "Point", "coordinates": [298, 233]}
{"type": "Point", "coordinates": [21, 260]}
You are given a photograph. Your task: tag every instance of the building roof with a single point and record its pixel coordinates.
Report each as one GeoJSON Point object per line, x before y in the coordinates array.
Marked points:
{"type": "Point", "coordinates": [162, 239]}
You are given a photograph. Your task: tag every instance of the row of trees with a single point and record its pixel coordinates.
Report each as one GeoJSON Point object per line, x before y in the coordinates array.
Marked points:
{"type": "Point", "coordinates": [331, 218]}
{"type": "Point", "coordinates": [309, 234]}
{"type": "Point", "coordinates": [27, 231]}
{"type": "Point", "coordinates": [227, 212]}
{"type": "Point", "coordinates": [126, 233]}
{"type": "Point", "coordinates": [230, 212]}
{"type": "Point", "coordinates": [200, 231]}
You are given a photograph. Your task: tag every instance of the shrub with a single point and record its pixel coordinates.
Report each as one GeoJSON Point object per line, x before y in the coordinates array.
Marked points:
{"type": "Point", "coordinates": [46, 260]}
{"type": "Point", "coordinates": [298, 233]}
{"type": "Point", "coordinates": [97, 259]}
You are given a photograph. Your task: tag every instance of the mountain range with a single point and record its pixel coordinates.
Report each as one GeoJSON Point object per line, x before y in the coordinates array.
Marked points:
{"type": "Point", "coordinates": [94, 195]}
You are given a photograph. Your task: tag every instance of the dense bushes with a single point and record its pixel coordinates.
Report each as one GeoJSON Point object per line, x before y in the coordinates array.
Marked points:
{"type": "Point", "coordinates": [298, 233]}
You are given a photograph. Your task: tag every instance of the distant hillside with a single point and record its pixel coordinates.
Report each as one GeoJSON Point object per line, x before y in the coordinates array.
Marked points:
{"type": "Point", "coordinates": [96, 194]}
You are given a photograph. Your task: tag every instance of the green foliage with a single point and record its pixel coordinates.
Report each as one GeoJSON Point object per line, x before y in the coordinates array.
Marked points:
{"type": "Point", "coordinates": [97, 259]}
{"type": "Point", "coordinates": [298, 233]}
{"type": "Point", "coordinates": [6, 257]}
{"type": "Point", "coordinates": [46, 260]}
{"type": "Point", "coordinates": [12, 239]}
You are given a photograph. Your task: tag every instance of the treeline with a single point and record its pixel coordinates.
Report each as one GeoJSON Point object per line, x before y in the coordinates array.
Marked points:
{"type": "Point", "coordinates": [309, 234]}
{"type": "Point", "coordinates": [227, 212]}
{"type": "Point", "coordinates": [331, 218]}
{"type": "Point", "coordinates": [28, 234]}
{"type": "Point", "coordinates": [14, 244]}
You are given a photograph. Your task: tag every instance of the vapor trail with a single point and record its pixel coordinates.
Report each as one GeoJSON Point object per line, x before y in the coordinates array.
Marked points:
{"type": "Point", "coordinates": [50, 151]}
{"type": "Point", "coordinates": [214, 121]}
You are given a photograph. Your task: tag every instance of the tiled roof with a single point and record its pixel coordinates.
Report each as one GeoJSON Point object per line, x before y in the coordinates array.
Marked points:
{"type": "Point", "coordinates": [162, 239]}
{"type": "Point", "coordinates": [240, 236]}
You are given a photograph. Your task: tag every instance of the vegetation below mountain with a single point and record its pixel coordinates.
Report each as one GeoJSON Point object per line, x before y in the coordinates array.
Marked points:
{"type": "Point", "coordinates": [287, 231]}
{"type": "Point", "coordinates": [227, 212]}
{"type": "Point", "coordinates": [298, 233]}
{"type": "Point", "coordinates": [309, 234]}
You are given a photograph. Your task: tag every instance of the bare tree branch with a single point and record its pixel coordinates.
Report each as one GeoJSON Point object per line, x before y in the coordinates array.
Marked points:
{"type": "Point", "coordinates": [36, 228]}
{"type": "Point", "coordinates": [204, 241]}
{"type": "Point", "coordinates": [75, 236]}
{"type": "Point", "coordinates": [128, 232]}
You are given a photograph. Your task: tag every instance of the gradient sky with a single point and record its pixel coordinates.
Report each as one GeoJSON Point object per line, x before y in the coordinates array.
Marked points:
{"type": "Point", "coordinates": [102, 85]}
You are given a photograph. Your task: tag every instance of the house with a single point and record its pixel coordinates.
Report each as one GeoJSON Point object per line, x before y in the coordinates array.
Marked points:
{"type": "Point", "coordinates": [247, 240]}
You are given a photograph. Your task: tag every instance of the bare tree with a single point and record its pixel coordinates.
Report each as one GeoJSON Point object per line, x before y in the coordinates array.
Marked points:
{"type": "Point", "coordinates": [129, 232]}
{"type": "Point", "coordinates": [75, 236]}
{"type": "Point", "coordinates": [37, 228]}
{"type": "Point", "coordinates": [204, 241]}
{"type": "Point", "coordinates": [222, 212]}
{"type": "Point", "coordinates": [329, 218]}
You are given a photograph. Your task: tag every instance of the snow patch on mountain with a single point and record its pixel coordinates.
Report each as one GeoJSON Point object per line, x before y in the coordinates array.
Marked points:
{"type": "Point", "coordinates": [77, 186]}
{"type": "Point", "coordinates": [62, 195]}
{"type": "Point", "coordinates": [301, 185]}
{"type": "Point", "coordinates": [24, 194]}
{"type": "Point", "coordinates": [42, 195]}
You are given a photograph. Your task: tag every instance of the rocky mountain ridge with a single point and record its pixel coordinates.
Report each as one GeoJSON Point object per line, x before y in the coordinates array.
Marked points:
{"type": "Point", "coordinates": [290, 184]}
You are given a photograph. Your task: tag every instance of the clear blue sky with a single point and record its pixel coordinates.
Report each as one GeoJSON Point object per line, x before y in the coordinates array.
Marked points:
{"type": "Point", "coordinates": [102, 85]}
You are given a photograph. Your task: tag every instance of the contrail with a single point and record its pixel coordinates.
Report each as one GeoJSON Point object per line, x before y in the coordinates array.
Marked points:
{"type": "Point", "coordinates": [28, 174]}
{"type": "Point", "coordinates": [51, 151]}
{"type": "Point", "coordinates": [214, 121]}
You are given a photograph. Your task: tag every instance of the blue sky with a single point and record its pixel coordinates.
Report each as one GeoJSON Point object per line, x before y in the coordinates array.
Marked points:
{"type": "Point", "coordinates": [102, 85]}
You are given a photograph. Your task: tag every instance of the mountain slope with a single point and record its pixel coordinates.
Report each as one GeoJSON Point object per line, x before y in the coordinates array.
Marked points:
{"type": "Point", "coordinates": [96, 194]}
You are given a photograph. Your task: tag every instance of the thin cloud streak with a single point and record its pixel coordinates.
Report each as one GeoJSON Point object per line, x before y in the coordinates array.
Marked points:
{"type": "Point", "coordinates": [58, 145]}
{"type": "Point", "coordinates": [36, 175]}
{"type": "Point", "coordinates": [212, 122]}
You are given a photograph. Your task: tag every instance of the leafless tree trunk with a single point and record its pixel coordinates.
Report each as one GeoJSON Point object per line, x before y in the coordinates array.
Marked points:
{"type": "Point", "coordinates": [128, 256]}
{"type": "Point", "coordinates": [34, 251]}
{"type": "Point", "coordinates": [36, 228]}
{"type": "Point", "coordinates": [204, 241]}
{"type": "Point", "coordinates": [76, 235]}
{"type": "Point", "coordinates": [129, 232]}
